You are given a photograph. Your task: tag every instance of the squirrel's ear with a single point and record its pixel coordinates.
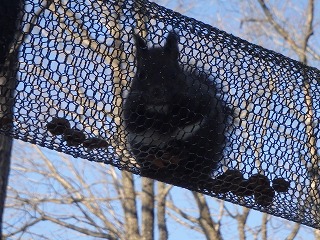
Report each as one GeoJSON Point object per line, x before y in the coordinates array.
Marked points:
{"type": "Point", "coordinates": [171, 45]}
{"type": "Point", "coordinates": [140, 43]}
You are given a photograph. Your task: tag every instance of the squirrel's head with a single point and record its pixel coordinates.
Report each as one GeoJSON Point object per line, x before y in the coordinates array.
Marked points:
{"type": "Point", "coordinates": [159, 77]}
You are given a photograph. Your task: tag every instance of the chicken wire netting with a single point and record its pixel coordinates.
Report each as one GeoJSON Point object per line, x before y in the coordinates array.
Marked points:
{"type": "Point", "coordinates": [145, 89]}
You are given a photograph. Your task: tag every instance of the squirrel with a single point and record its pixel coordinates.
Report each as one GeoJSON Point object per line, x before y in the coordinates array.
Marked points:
{"type": "Point", "coordinates": [174, 121]}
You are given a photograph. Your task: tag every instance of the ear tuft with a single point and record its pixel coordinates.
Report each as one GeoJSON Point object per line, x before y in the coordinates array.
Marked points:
{"type": "Point", "coordinates": [171, 45]}
{"type": "Point", "coordinates": [140, 42]}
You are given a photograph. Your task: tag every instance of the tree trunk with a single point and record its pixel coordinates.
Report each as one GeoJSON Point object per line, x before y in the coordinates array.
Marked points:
{"type": "Point", "coordinates": [130, 207]}
{"type": "Point", "coordinates": [161, 214]}
{"type": "Point", "coordinates": [5, 153]}
{"type": "Point", "coordinates": [9, 12]}
{"type": "Point", "coordinates": [147, 209]}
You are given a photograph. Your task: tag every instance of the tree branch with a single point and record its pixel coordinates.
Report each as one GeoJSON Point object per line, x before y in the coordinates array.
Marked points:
{"type": "Point", "coordinates": [294, 231]}
{"type": "Point", "coordinates": [308, 30]}
{"type": "Point", "coordinates": [77, 228]}
{"type": "Point", "coordinates": [209, 227]}
{"type": "Point", "coordinates": [283, 33]}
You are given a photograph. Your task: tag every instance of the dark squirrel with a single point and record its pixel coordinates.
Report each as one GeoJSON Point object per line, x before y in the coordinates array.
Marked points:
{"type": "Point", "coordinates": [174, 121]}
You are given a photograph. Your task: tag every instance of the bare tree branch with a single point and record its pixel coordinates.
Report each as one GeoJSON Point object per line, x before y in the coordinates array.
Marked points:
{"type": "Point", "coordinates": [209, 227]}
{"type": "Point", "coordinates": [181, 213]}
{"type": "Point", "coordinates": [283, 32]}
{"type": "Point", "coordinates": [317, 234]}
{"type": "Point", "coordinates": [294, 231]}
{"type": "Point", "coordinates": [308, 30]}
{"type": "Point", "coordinates": [92, 212]}
{"type": "Point", "coordinates": [24, 227]}
{"type": "Point", "coordinates": [242, 219]}
{"type": "Point", "coordinates": [77, 228]}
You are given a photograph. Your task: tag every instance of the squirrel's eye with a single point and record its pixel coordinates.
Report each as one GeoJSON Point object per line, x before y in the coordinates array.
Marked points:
{"type": "Point", "coordinates": [142, 75]}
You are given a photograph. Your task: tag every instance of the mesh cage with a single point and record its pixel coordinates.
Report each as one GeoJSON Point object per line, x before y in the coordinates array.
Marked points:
{"type": "Point", "coordinates": [145, 89]}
